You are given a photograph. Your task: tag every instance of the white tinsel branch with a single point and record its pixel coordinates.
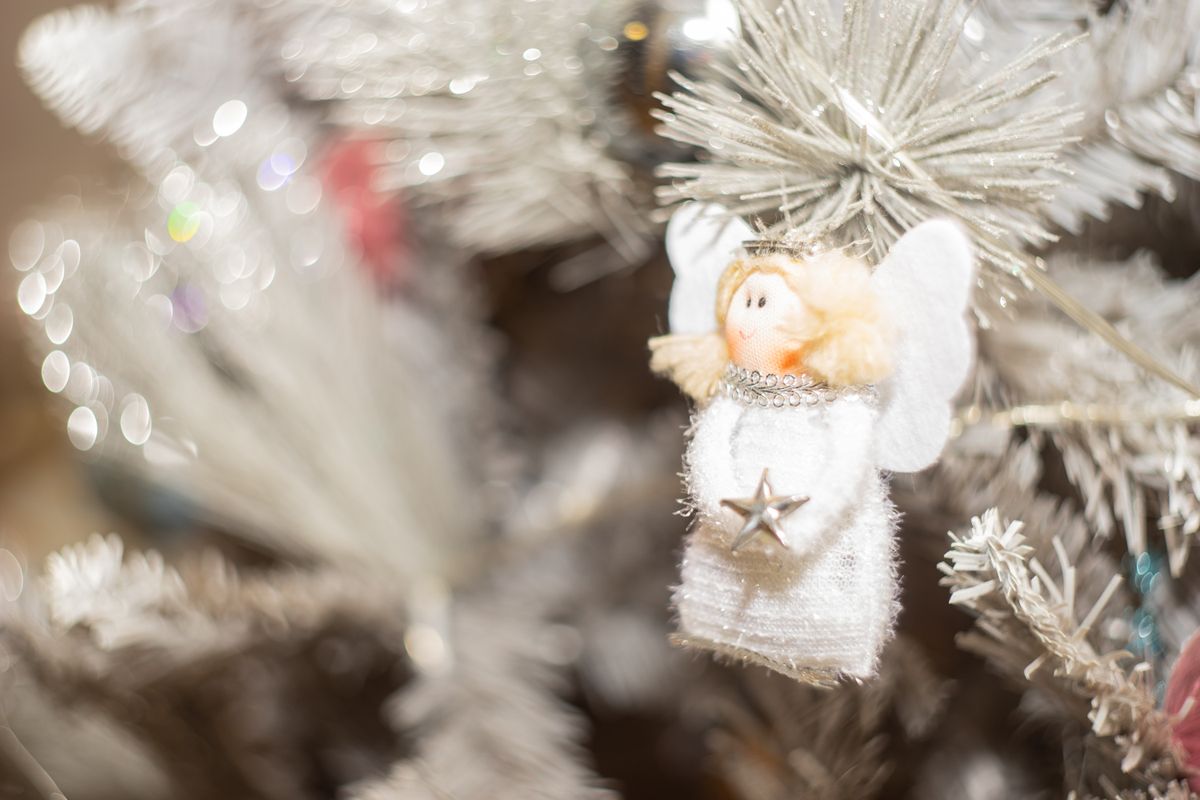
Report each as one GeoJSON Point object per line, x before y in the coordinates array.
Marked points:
{"type": "Point", "coordinates": [502, 112]}
{"type": "Point", "coordinates": [102, 72]}
{"type": "Point", "coordinates": [1117, 430]}
{"type": "Point", "coordinates": [215, 334]}
{"type": "Point", "coordinates": [855, 130]}
{"type": "Point", "coordinates": [490, 724]}
{"type": "Point", "coordinates": [189, 674]}
{"type": "Point", "coordinates": [1136, 76]}
{"type": "Point", "coordinates": [1028, 621]}
{"type": "Point", "coordinates": [137, 618]}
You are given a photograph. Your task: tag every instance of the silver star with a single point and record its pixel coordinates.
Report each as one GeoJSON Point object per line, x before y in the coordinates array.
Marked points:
{"type": "Point", "coordinates": [763, 512]}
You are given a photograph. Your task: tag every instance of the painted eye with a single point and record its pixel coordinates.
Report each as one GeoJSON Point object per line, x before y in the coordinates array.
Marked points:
{"type": "Point", "coordinates": [762, 301]}
{"type": "Point", "coordinates": [747, 300]}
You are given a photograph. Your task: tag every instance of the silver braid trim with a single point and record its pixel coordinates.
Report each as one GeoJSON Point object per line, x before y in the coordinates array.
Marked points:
{"type": "Point", "coordinates": [753, 388]}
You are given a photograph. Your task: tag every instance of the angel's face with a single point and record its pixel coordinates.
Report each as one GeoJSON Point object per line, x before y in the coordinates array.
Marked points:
{"type": "Point", "coordinates": [760, 325]}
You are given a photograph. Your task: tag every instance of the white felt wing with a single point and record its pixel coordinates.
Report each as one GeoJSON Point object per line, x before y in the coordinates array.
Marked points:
{"type": "Point", "coordinates": [702, 239]}
{"type": "Point", "coordinates": [925, 282]}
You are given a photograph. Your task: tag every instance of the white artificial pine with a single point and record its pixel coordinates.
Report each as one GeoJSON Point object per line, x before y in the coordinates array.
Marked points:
{"type": "Point", "coordinates": [215, 334]}
{"type": "Point", "coordinates": [1030, 621]}
{"type": "Point", "coordinates": [855, 129]}
{"type": "Point", "coordinates": [1137, 78]}
{"type": "Point", "coordinates": [501, 111]}
{"type": "Point", "coordinates": [282, 410]}
{"type": "Point", "coordinates": [491, 725]}
{"type": "Point", "coordinates": [1129, 445]}
{"type": "Point", "coordinates": [1134, 76]}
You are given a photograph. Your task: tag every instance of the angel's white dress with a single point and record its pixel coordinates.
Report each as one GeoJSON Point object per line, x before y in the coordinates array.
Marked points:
{"type": "Point", "coordinates": [823, 607]}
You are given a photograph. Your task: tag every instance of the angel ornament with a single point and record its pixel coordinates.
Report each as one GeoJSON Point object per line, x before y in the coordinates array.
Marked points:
{"type": "Point", "coordinates": [815, 377]}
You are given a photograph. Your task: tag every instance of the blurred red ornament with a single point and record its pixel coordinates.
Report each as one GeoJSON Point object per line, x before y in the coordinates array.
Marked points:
{"type": "Point", "coordinates": [1183, 705]}
{"type": "Point", "coordinates": [375, 221]}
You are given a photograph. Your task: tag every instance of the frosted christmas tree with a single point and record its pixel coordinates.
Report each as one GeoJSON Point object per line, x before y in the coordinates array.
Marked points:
{"type": "Point", "coordinates": [368, 313]}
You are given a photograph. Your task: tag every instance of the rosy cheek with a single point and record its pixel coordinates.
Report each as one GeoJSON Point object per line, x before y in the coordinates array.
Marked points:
{"type": "Point", "coordinates": [789, 360]}
{"type": "Point", "coordinates": [733, 342]}
{"type": "Point", "coordinates": [768, 351]}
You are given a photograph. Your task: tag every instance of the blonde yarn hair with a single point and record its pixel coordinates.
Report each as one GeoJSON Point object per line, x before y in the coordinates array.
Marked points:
{"type": "Point", "coordinates": [845, 336]}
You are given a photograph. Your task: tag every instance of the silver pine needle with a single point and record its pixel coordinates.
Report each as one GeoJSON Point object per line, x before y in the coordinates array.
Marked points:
{"type": "Point", "coordinates": [499, 112]}
{"type": "Point", "coordinates": [1129, 446]}
{"type": "Point", "coordinates": [856, 130]}
{"type": "Point", "coordinates": [238, 390]}
{"type": "Point", "coordinates": [1031, 627]}
{"type": "Point", "coordinates": [1137, 79]}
